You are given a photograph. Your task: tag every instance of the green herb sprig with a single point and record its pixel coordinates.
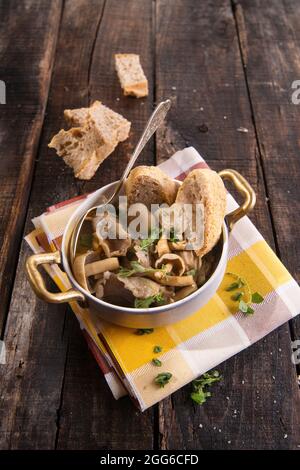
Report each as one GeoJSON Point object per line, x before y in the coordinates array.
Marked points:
{"type": "Point", "coordinates": [137, 268]}
{"type": "Point", "coordinates": [200, 392]}
{"type": "Point", "coordinates": [156, 362]}
{"type": "Point", "coordinates": [144, 331]}
{"type": "Point", "coordinates": [145, 303]}
{"type": "Point", "coordinates": [244, 306]}
{"type": "Point", "coordinates": [163, 378]}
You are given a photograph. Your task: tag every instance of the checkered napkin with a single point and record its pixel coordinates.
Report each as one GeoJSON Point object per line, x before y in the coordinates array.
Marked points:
{"type": "Point", "coordinates": [198, 343]}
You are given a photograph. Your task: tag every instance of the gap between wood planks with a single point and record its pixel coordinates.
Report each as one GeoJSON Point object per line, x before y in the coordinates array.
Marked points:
{"type": "Point", "coordinates": [241, 32]}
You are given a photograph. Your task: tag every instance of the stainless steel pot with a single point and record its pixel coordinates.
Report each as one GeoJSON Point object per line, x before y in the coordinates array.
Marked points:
{"type": "Point", "coordinates": [132, 317]}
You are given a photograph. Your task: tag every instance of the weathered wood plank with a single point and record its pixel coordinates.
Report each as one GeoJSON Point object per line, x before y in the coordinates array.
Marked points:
{"type": "Point", "coordinates": [25, 67]}
{"type": "Point", "coordinates": [269, 44]}
{"type": "Point", "coordinates": [204, 37]}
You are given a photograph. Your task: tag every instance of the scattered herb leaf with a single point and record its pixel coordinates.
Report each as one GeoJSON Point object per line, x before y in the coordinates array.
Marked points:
{"type": "Point", "coordinates": [156, 362]}
{"type": "Point", "coordinates": [199, 393]}
{"type": "Point", "coordinates": [145, 303]}
{"type": "Point", "coordinates": [237, 296]}
{"type": "Point", "coordinates": [144, 331]}
{"type": "Point", "coordinates": [245, 308]}
{"type": "Point", "coordinates": [163, 378]}
{"type": "Point", "coordinates": [257, 298]}
{"type": "Point", "coordinates": [157, 349]}
{"type": "Point", "coordinates": [235, 285]}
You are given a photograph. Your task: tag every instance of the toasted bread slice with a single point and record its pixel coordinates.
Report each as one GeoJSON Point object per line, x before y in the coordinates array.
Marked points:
{"type": "Point", "coordinates": [131, 75]}
{"type": "Point", "coordinates": [206, 186]}
{"type": "Point", "coordinates": [149, 185]}
{"type": "Point", "coordinates": [113, 126]}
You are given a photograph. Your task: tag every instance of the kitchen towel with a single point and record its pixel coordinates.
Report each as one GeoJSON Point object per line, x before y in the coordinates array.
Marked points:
{"type": "Point", "coordinates": [198, 343]}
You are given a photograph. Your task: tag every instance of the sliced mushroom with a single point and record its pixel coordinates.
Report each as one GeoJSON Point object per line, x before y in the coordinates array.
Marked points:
{"type": "Point", "coordinates": [174, 264]}
{"type": "Point", "coordinates": [114, 246]}
{"type": "Point", "coordinates": [162, 247]}
{"type": "Point", "coordinates": [123, 291]}
{"type": "Point", "coordinates": [189, 258]}
{"type": "Point", "coordinates": [98, 267]}
{"type": "Point", "coordinates": [79, 267]}
{"type": "Point", "coordinates": [185, 291]}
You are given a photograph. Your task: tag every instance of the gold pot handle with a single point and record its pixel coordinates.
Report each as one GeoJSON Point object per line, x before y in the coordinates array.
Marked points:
{"type": "Point", "coordinates": [37, 282]}
{"type": "Point", "coordinates": [244, 188]}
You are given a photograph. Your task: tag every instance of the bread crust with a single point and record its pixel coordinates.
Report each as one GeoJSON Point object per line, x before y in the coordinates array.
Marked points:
{"type": "Point", "coordinates": [206, 186]}
{"type": "Point", "coordinates": [131, 75]}
{"type": "Point", "coordinates": [149, 185]}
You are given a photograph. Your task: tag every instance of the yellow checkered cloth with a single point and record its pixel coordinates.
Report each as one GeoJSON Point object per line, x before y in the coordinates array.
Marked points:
{"type": "Point", "coordinates": [198, 343]}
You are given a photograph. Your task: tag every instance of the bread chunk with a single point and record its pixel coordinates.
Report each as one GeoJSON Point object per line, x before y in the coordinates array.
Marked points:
{"type": "Point", "coordinates": [206, 186]}
{"type": "Point", "coordinates": [131, 75]}
{"type": "Point", "coordinates": [112, 125]}
{"type": "Point", "coordinates": [149, 185]}
{"type": "Point", "coordinates": [97, 133]}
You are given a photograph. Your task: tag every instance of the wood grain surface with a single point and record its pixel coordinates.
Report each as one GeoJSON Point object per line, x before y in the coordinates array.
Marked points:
{"type": "Point", "coordinates": [226, 65]}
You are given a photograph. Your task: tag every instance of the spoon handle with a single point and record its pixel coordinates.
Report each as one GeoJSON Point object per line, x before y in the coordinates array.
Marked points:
{"type": "Point", "coordinates": [154, 122]}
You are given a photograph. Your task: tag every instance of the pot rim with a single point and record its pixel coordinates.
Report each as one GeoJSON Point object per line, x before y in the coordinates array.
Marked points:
{"type": "Point", "coordinates": [131, 310]}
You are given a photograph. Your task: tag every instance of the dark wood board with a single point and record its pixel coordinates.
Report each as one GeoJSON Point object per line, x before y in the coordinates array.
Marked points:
{"type": "Point", "coordinates": [269, 45]}
{"type": "Point", "coordinates": [25, 67]}
{"type": "Point", "coordinates": [205, 36]}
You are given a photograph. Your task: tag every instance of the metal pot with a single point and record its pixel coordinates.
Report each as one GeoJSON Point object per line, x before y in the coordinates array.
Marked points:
{"type": "Point", "coordinates": [132, 317]}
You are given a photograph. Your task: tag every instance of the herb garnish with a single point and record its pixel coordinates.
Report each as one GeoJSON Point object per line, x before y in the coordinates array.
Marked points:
{"type": "Point", "coordinates": [144, 331]}
{"type": "Point", "coordinates": [163, 378]}
{"type": "Point", "coordinates": [254, 298]}
{"type": "Point", "coordinates": [237, 296]}
{"type": "Point", "coordinates": [145, 303]}
{"type": "Point", "coordinates": [191, 272]}
{"type": "Point", "coordinates": [200, 394]}
{"type": "Point", "coordinates": [257, 298]}
{"type": "Point", "coordinates": [157, 349]}
{"type": "Point", "coordinates": [136, 268]}
{"type": "Point", "coordinates": [156, 362]}
{"type": "Point", "coordinates": [172, 237]}
{"type": "Point", "coordinates": [147, 242]}
{"type": "Point", "coordinates": [245, 308]}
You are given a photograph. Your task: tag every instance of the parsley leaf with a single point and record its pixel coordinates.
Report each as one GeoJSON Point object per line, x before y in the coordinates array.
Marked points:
{"type": "Point", "coordinates": [145, 303]}
{"type": "Point", "coordinates": [245, 308]}
{"type": "Point", "coordinates": [163, 378]}
{"type": "Point", "coordinates": [156, 362]}
{"type": "Point", "coordinates": [257, 298]}
{"type": "Point", "coordinates": [237, 296]}
{"type": "Point", "coordinates": [191, 272]}
{"type": "Point", "coordinates": [157, 349]}
{"type": "Point", "coordinates": [144, 331]}
{"type": "Point", "coordinates": [136, 268]}
{"type": "Point", "coordinates": [199, 393]}
{"type": "Point", "coordinates": [236, 285]}
{"type": "Point", "coordinates": [147, 242]}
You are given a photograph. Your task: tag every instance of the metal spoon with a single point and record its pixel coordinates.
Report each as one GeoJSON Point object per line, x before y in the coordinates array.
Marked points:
{"type": "Point", "coordinates": [154, 122]}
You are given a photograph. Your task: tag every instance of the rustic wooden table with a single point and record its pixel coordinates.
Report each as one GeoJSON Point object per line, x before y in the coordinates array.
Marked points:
{"type": "Point", "coordinates": [226, 65]}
